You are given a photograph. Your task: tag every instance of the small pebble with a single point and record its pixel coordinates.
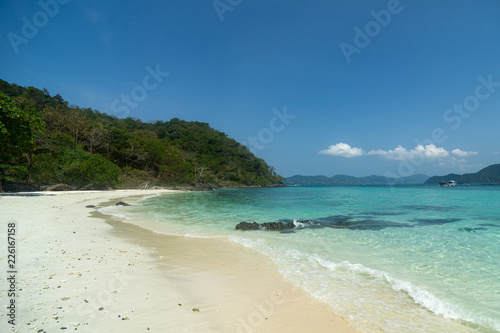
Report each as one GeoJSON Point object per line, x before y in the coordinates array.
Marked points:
{"type": "Point", "coordinates": [101, 308]}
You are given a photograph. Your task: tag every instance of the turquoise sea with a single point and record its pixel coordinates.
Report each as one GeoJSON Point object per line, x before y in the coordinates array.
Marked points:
{"type": "Point", "coordinates": [387, 258]}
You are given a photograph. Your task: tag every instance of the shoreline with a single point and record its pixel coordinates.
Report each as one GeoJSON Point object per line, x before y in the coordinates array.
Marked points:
{"type": "Point", "coordinates": [8, 188]}
{"type": "Point", "coordinates": [79, 273]}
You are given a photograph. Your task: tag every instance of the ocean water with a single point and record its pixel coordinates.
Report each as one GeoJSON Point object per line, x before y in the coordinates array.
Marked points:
{"type": "Point", "coordinates": [387, 258]}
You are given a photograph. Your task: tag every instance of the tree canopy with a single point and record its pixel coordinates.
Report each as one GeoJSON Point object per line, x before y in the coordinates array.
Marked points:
{"type": "Point", "coordinates": [45, 141]}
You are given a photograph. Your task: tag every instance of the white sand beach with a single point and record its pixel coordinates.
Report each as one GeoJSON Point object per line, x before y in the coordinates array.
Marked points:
{"type": "Point", "coordinates": [78, 270]}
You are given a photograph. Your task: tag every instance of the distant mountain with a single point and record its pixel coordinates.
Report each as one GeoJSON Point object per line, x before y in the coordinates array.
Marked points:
{"type": "Point", "coordinates": [488, 175]}
{"type": "Point", "coordinates": [350, 180]}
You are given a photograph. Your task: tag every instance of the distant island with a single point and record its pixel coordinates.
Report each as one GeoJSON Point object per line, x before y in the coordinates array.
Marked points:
{"type": "Point", "coordinates": [487, 176]}
{"type": "Point", "coordinates": [45, 141]}
{"type": "Point", "coordinates": [350, 180]}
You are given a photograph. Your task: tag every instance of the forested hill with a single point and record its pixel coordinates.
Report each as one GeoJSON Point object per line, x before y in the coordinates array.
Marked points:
{"type": "Point", "coordinates": [350, 180]}
{"type": "Point", "coordinates": [44, 140]}
{"type": "Point", "coordinates": [487, 176]}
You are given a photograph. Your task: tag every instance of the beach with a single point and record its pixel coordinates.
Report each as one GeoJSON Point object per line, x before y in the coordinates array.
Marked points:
{"type": "Point", "coordinates": [77, 269]}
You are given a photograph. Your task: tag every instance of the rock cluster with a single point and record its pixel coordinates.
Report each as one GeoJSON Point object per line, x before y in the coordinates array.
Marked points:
{"type": "Point", "coordinates": [60, 187]}
{"type": "Point", "coordinates": [265, 226]}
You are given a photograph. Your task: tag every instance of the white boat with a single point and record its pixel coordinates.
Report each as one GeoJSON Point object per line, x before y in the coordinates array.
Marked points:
{"type": "Point", "coordinates": [448, 183]}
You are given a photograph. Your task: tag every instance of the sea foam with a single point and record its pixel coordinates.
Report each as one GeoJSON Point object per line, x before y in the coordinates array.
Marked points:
{"type": "Point", "coordinates": [355, 271]}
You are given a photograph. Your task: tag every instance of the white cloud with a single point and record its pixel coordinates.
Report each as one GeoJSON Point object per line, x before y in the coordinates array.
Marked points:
{"type": "Point", "coordinates": [400, 153]}
{"type": "Point", "coordinates": [419, 153]}
{"type": "Point", "coordinates": [343, 150]}
{"type": "Point", "coordinates": [461, 153]}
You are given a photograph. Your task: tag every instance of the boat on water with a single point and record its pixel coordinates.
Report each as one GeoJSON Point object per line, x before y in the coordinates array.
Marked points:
{"type": "Point", "coordinates": [448, 183]}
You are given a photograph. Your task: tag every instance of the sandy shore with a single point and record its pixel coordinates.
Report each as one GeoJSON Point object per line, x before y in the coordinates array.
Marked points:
{"type": "Point", "coordinates": [80, 270]}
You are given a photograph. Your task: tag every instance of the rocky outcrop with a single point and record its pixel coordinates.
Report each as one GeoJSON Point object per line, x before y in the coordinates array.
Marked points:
{"type": "Point", "coordinates": [60, 187]}
{"type": "Point", "coordinates": [121, 203]}
{"type": "Point", "coordinates": [205, 187]}
{"type": "Point", "coordinates": [247, 226]}
{"type": "Point", "coordinates": [9, 186]}
{"type": "Point", "coordinates": [265, 226]}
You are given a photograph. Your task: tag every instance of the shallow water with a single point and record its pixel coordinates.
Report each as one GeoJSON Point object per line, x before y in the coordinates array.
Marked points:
{"type": "Point", "coordinates": [390, 259]}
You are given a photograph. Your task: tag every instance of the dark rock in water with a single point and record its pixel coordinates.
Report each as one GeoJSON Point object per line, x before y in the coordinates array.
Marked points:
{"type": "Point", "coordinates": [265, 226]}
{"type": "Point", "coordinates": [121, 203]}
{"type": "Point", "coordinates": [425, 222]}
{"type": "Point", "coordinates": [428, 208]}
{"type": "Point", "coordinates": [335, 219]}
{"type": "Point", "coordinates": [381, 213]}
{"type": "Point", "coordinates": [247, 226]}
{"type": "Point", "coordinates": [369, 225]}
{"type": "Point", "coordinates": [489, 225]}
{"type": "Point", "coordinates": [60, 187]}
{"type": "Point", "coordinates": [471, 229]}
{"type": "Point", "coordinates": [335, 222]}
{"type": "Point", "coordinates": [90, 206]}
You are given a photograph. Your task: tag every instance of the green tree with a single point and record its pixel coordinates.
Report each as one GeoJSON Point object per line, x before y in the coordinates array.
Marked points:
{"type": "Point", "coordinates": [82, 146]}
{"type": "Point", "coordinates": [90, 169]}
{"type": "Point", "coordinates": [20, 124]}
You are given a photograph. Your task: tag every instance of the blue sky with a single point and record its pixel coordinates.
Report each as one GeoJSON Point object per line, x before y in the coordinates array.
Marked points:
{"type": "Point", "coordinates": [329, 87]}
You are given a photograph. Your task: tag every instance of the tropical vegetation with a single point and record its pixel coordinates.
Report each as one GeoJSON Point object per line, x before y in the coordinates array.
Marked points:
{"type": "Point", "coordinates": [44, 140]}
